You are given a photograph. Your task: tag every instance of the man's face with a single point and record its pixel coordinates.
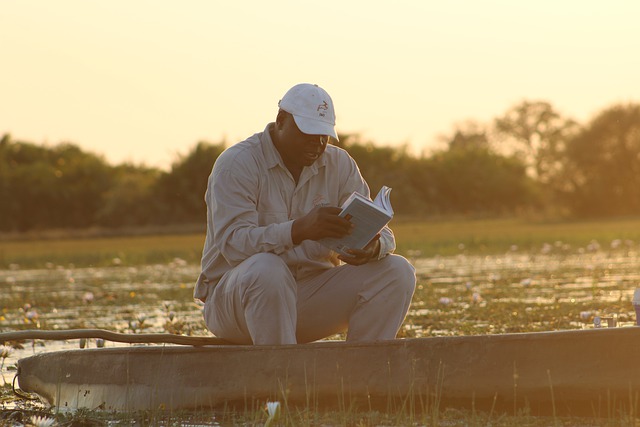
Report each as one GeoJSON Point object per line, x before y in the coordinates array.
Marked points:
{"type": "Point", "coordinates": [298, 148]}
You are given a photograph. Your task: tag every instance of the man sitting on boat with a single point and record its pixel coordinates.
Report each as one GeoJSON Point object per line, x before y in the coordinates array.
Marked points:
{"type": "Point", "coordinates": [265, 277]}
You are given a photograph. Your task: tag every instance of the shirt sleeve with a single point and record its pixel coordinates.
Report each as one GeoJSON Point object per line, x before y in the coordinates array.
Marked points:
{"type": "Point", "coordinates": [232, 198]}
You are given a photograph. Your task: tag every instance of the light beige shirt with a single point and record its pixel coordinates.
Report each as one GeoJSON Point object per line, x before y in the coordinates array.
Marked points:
{"type": "Point", "coordinates": [252, 201]}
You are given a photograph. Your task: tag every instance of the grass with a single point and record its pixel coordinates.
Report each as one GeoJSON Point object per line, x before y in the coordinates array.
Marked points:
{"type": "Point", "coordinates": [442, 237]}
{"type": "Point", "coordinates": [414, 238]}
{"type": "Point", "coordinates": [101, 251]}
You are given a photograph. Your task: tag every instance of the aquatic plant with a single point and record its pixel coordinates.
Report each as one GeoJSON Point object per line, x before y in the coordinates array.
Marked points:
{"type": "Point", "coordinates": [4, 353]}
{"type": "Point", "coordinates": [273, 413]}
{"type": "Point", "coordinates": [40, 421]}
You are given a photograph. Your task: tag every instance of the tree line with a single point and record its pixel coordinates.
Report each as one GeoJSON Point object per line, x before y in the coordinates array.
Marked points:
{"type": "Point", "coordinates": [530, 159]}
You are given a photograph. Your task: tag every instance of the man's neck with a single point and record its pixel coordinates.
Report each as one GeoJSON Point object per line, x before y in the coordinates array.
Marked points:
{"type": "Point", "coordinates": [294, 170]}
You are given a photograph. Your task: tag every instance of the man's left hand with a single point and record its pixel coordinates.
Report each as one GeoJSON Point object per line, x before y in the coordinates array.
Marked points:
{"type": "Point", "coordinates": [364, 255]}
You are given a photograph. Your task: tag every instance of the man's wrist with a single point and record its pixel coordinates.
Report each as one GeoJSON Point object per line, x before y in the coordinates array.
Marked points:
{"type": "Point", "coordinates": [376, 251]}
{"type": "Point", "coordinates": [295, 233]}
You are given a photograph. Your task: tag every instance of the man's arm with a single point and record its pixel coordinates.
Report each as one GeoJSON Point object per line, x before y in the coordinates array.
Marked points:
{"type": "Point", "coordinates": [232, 197]}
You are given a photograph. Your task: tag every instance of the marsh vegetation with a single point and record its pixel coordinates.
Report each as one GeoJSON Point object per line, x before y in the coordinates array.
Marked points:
{"type": "Point", "coordinates": [480, 278]}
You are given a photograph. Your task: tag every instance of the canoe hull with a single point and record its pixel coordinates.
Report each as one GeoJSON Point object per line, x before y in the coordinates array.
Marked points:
{"type": "Point", "coordinates": [586, 372]}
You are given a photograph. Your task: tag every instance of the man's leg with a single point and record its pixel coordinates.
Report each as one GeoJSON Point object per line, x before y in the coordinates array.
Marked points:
{"type": "Point", "coordinates": [371, 301]}
{"type": "Point", "coordinates": [254, 303]}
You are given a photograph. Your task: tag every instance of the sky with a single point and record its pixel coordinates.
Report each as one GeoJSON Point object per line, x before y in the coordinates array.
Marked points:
{"type": "Point", "coordinates": [143, 81]}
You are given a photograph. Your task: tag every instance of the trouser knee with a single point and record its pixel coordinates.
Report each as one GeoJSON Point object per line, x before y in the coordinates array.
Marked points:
{"type": "Point", "coordinates": [267, 274]}
{"type": "Point", "coordinates": [403, 272]}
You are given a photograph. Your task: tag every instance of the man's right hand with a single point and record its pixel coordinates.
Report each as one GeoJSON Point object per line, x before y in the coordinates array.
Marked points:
{"type": "Point", "coordinates": [319, 223]}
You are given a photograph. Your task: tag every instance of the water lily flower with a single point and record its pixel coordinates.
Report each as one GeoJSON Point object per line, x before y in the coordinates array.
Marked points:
{"type": "Point", "coordinates": [179, 262]}
{"type": "Point", "coordinates": [4, 351]}
{"type": "Point", "coordinates": [526, 282]}
{"type": "Point", "coordinates": [585, 315]}
{"type": "Point", "coordinates": [273, 411]}
{"type": "Point", "coordinates": [37, 421]}
{"type": "Point", "coordinates": [445, 301]}
{"type": "Point", "coordinates": [597, 322]}
{"type": "Point", "coordinates": [87, 298]}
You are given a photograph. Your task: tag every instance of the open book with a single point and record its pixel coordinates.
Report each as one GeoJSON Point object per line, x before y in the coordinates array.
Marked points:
{"type": "Point", "coordinates": [368, 217]}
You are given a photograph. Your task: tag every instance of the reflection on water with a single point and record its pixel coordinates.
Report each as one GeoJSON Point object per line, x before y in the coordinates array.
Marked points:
{"type": "Point", "coordinates": [459, 295]}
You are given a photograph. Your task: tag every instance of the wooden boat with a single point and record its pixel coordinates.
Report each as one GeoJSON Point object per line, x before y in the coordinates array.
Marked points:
{"type": "Point", "coordinates": [591, 372]}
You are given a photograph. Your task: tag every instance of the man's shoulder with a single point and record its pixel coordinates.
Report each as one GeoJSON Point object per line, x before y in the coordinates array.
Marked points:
{"type": "Point", "coordinates": [335, 154]}
{"type": "Point", "coordinates": [241, 152]}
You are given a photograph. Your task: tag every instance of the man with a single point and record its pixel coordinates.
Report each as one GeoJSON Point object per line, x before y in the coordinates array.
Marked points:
{"type": "Point", "coordinates": [265, 278]}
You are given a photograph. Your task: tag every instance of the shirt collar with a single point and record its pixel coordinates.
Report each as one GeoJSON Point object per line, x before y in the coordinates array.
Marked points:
{"type": "Point", "coordinates": [273, 158]}
{"type": "Point", "coordinates": [269, 150]}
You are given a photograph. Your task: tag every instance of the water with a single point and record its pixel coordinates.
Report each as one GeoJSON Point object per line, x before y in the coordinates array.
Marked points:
{"type": "Point", "coordinates": [144, 299]}
{"type": "Point", "coordinates": [458, 295]}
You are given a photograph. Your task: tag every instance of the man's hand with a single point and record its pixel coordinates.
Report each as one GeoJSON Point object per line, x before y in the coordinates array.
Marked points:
{"type": "Point", "coordinates": [364, 255]}
{"type": "Point", "coordinates": [319, 223]}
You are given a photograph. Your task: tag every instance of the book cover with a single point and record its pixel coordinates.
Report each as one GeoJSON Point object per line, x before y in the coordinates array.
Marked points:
{"type": "Point", "coordinates": [368, 217]}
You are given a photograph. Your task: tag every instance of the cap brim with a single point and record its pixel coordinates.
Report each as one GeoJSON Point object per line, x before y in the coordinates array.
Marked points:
{"type": "Point", "coordinates": [315, 127]}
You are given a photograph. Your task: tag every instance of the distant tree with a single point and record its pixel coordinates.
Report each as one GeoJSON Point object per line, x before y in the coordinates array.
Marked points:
{"type": "Point", "coordinates": [129, 200]}
{"type": "Point", "coordinates": [50, 187]}
{"type": "Point", "coordinates": [378, 165]}
{"type": "Point", "coordinates": [468, 135]}
{"type": "Point", "coordinates": [469, 178]}
{"type": "Point", "coordinates": [83, 179]}
{"type": "Point", "coordinates": [384, 166]}
{"type": "Point", "coordinates": [8, 206]}
{"type": "Point", "coordinates": [602, 176]}
{"type": "Point", "coordinates": [179, 193]}
{"type": "Point", "coordinates": [538, 133]}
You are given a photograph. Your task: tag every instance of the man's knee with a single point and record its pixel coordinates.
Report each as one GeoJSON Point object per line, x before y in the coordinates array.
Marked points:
{"type": "Point", "coordinates": [265, 263]}
{"type": "Point", "coordinates": [266, 274]}
{"type": "Point", "coordinates": [403, 272]}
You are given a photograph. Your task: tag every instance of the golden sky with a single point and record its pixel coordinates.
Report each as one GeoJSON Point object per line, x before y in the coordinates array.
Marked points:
{"type": "Point", "coordinates": [144, 80]}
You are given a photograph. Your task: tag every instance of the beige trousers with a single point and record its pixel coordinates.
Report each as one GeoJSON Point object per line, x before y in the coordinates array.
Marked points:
{"type": "Point", "coordinates": [260, 302]}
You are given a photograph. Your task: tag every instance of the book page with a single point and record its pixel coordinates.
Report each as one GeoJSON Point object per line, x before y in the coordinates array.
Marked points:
{"type": "Point", "coordinates": [383, 199]}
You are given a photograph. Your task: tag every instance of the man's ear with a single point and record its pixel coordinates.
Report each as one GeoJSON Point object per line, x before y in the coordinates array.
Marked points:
{"type": "Point", "coordinates": [280, 118]}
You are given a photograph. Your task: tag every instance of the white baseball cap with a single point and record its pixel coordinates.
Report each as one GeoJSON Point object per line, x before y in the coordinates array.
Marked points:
{"type": "Point", "coordinates": [311, 108]}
